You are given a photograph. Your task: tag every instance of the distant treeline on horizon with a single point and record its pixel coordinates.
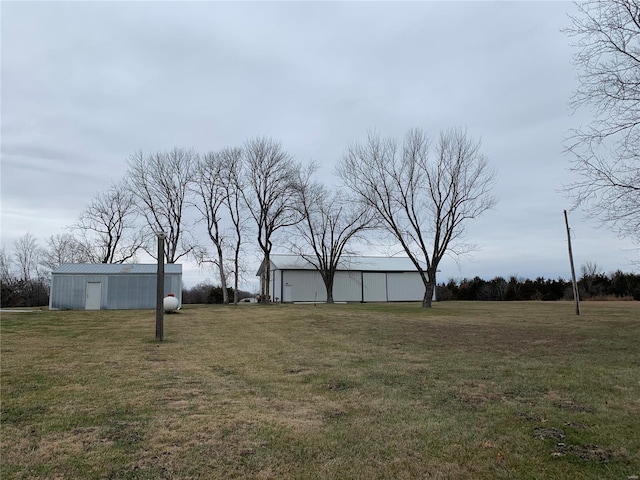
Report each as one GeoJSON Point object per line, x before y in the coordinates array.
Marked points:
{"type": "Point", "coordinates": [617, 285]}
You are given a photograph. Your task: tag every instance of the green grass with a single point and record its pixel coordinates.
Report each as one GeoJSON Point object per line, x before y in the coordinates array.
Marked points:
{"type": "Point", "coordinates": [464, 390]}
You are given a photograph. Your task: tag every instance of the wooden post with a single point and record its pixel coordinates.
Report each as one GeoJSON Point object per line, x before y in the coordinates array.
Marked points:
{"type": "Point", "coordinates": [576, 294]}
{"type": "Point", "coordinates": [160, 290]}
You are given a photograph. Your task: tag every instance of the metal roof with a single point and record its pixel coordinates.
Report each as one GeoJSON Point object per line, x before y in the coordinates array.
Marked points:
{"type": "Point", "coordinates": [353, 263]}
{"type": "Point", "coordinates": [115, 268]}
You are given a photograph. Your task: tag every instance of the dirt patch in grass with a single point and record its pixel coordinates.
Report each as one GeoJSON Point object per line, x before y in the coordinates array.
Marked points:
{"type": "Point", "coordinates": [531, 417]}
{"type": "Point", "coordinates": [573, 406]}
{"type": "Point", "coordinates": [587, 453]}
{"type": "Point", "coordinates": [545, 433]}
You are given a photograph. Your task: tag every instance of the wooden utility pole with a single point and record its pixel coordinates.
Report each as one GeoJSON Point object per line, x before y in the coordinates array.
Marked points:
{"type": "Point", "coordinates": [160, 290]}
{"type": "Point", "coordinates": [576, 295]}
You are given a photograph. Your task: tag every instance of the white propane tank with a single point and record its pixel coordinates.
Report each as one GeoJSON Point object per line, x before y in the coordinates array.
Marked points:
{"type": "Point", "coordinates": [170, 303]}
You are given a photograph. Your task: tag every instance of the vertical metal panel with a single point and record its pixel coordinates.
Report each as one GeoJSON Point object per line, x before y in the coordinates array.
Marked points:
{"type": "Point", "coordinates": [375, 286]}
{"type": "Point", "coordinates": [173, 284]}
{"type": "Point", "coordinates": [139, 291]}
{"type": "Point", "coordinates": [131, 291]}
{"type": "Point", "coordinates": [402, 287]}
{"type": "Point", "coordinates": [68, 292]}
{"type": "Point", "coordinates": [287, 293]}
{"type": "Point", "coordinates": [306, 286]}
{"type": "Point", "coordinates": [276, 285]}
{"type": "Point", "coordinates": [286, 290]}
{"type": "Point", "coordinates": [347, 286]}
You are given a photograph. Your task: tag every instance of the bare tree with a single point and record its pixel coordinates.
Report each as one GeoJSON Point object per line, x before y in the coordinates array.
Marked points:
{"type": "Point", "coordinates": [64, 248]}
{"type": "Point", "coordinates": [606, 152]}
{"type": "Point", "coordinates": [424, 204]}
{"type": "Point", "coordinates": [108, 227]}
{"type": "Point", "coordinates": [217, 184]}
{"type": "Point", "coordinates": [160, 184]}
{"type": "Point", "coordinates": [26, 254]}
{"type": "Point", "coordinates": [331, 222]}
{"type": "Point", "coordinates": [589, 273]}
{"type": "Point", "coordinates": [5, 265]}
{"type": "Point", "coordinates": [28, 287]}
{"type": "Point", "coordinates": [209, 185]}
{"type": "Point", "coordinates": [271, 175]}
{"type": "Point", "coordinates": [234, 185]}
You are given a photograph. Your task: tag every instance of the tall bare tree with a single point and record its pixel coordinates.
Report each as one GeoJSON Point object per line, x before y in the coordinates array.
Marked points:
{"type": "Point", "coordinates": [606, 152]}
{"type": "Point", "coordinates": [234, 184]}
{"type": "Point", "coordinates": [270, 194]}
{"type": "Point", "coordinates": [28, 286]}
{"type": "Point", "coordinates": [589, 273]}
{"type": "Point", "coordinates": [64, 248]}
{"type": "Point", "coordinates": [5, 265]}
{"type": "Point", "coordinates": [331, 222]}
{"type": "Point", "coordinates": [160, 184]}
{"type": "Point", "coordinates": [209, 185]}
{"type": "Point", "coordinates": [217, 184]}
{"type": "Point", "coordinates": [108, 227]}
{"type": "Point", "coordinates": [423, 202]}
{"type": "Point", "coordinates": [26, 254]}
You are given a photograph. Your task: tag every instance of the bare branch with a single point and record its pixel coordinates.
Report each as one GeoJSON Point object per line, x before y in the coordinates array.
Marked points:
{"type": "Point", "coordinates": [160, 184]}
{"type": "Point", "coordinates": [108, 228]}
{"type": "Point", "coordinates": [605, 153]}
{"type": "Point", "coordinates": [270, 193]}
{"type": "Point", "coordinates": [331, 221]}
{"type": "Point", "coordinates": [423, 201]}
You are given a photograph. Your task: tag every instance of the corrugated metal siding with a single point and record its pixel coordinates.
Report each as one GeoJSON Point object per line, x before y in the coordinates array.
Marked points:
{"type": "Point", "coordinates": [404, 287]}
{"type": "Point", "coordinates": [375, 286]}
{"type": "Point", "coordinates": [115, 268]}
{"type": "Point", "coordinates": [276, 285]}
{"type": "Point", "coordinates": [347, 287]}
{"type": "Point", "coordinates": [132, 291]}
{"type": "Point", "coordinates": [306, 286]}
{"type": "Point", "coordinates": [68, 291]}
{"type": "Point", "coordinates": [346, 263]}
{"type": "Point", "coordinates": [369, 279]}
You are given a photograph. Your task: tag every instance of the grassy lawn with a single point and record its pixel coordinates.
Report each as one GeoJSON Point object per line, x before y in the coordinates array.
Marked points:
{"type": "Point", "coordinates": [363, 391]}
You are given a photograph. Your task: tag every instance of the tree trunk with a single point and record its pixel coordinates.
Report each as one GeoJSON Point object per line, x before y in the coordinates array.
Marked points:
{"type": "Point", "coordinates": [223, 277]}
{"type": "Point", "coordinates": [236, 261]}
{"type": "Point", "coordinates": [267, 279]}
{"type": "Point", "coordinates": [327, 278]}
{"type": "Point", "coordinates": [428, 295]}
{"type": "Point", "coordinates": [329, 287]}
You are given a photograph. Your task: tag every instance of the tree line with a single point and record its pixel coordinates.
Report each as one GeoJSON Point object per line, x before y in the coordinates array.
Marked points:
{"type": "Point", "coordinates": [418, 192]}
{"type": "Point", "coordinates": [616, 285]}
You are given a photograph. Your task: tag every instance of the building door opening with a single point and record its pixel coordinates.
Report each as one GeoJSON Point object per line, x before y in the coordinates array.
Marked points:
{"type": "Point", "coordinates": [287, 294]}
{"type": "Point", "coordinates": [94, 296]}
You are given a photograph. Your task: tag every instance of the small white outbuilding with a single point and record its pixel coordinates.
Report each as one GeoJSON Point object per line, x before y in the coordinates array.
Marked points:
{"type": "Point", "coordinates": [357, 279]}
{"type": "Point", "coordinates": [106, 286]}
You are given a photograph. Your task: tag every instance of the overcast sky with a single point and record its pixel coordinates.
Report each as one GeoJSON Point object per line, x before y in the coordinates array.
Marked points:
{"type": "Point", "coordinates": [86, 84]}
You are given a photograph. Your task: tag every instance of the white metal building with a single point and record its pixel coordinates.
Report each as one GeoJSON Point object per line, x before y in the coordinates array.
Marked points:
{"type": "Point", "coordinates": [106, 286]}
{"type": "Point", "coordinates": [357, 279]}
